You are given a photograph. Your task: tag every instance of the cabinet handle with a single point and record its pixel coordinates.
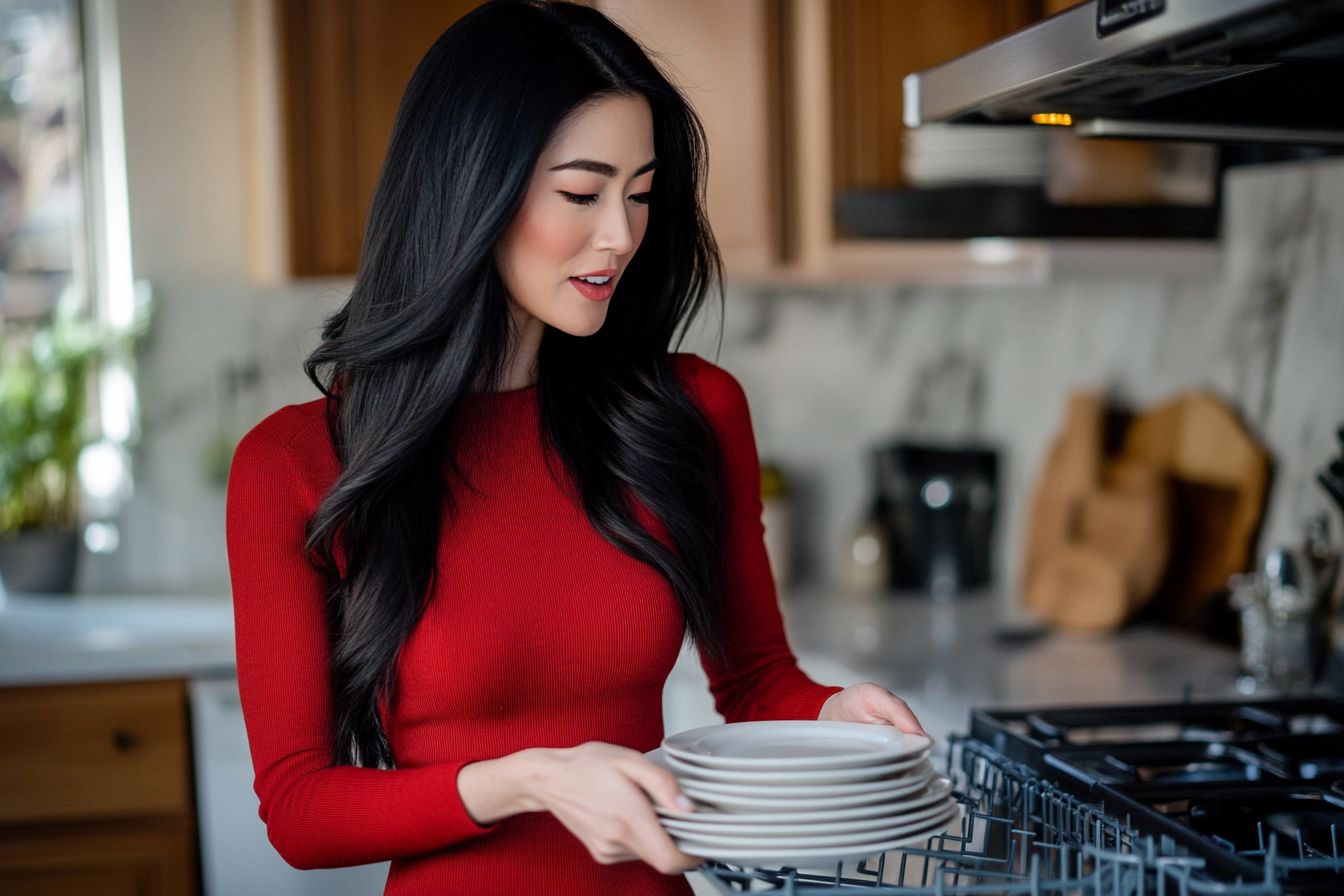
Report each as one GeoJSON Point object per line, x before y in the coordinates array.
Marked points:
{"type": "Point", "coordinates": [123, 741]}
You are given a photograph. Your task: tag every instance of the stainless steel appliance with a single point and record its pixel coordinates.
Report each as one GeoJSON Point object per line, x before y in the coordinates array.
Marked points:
{"type": "Point", "coordinates": [1191, 70]}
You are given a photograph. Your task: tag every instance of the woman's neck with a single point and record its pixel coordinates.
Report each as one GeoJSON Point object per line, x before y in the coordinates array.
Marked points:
{"type": "Point", "coordinates": [525, 332]}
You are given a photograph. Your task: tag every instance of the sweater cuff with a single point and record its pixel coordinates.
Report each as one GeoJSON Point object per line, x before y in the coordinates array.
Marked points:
{"type": "Point", "coordinates": [804, 703]}
{"type": "Point", "coordinates": [457, 821]}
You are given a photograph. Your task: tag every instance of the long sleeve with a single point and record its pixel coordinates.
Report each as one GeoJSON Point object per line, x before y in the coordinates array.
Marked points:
{"type": "Point", "coordinates": [761, 679]}
{"type": "Point", "coordinates": [316, 815]}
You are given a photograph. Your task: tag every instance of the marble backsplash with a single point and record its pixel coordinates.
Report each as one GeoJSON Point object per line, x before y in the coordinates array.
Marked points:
{"type": "Point", "coordinates": [830, 372]}
{"type": "Point", "coordinates": [833, 372]}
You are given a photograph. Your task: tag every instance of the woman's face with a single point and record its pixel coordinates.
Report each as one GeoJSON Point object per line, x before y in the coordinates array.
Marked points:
{"type": "Point", "coordinates": [583, 217]}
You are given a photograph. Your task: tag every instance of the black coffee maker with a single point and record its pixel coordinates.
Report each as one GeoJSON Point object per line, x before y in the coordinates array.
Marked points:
{"type": "Point", "coordinates": [938, 506]}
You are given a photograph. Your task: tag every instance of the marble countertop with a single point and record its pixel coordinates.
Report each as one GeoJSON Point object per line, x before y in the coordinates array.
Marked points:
{"type": "Point", "coordinates": [54, 639]}
{"type": "Point", "coordinates": [944, 658]}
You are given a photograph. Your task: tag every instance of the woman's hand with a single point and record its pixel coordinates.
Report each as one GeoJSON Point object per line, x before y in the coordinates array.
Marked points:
{"type": "Point", "coordinates": [872, 704]}
{"type": "Point", "coordinates": [600, 792]}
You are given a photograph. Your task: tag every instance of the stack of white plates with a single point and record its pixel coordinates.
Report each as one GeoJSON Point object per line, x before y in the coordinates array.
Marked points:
{"type": "Point", "coordinates": [776, 793]}
{"type": "Point", "coordinates": [939, 155]}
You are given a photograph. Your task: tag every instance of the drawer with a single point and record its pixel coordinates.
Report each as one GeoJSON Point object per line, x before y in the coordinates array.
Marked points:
{"type": "Point", "coordinates": [94, 750]}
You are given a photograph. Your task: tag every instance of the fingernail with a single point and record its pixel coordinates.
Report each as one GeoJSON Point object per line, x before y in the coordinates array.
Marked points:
{"type": "Point", "coordinates": [684, 802]}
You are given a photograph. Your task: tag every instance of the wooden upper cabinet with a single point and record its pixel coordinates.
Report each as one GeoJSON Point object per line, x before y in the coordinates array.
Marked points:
{"type": "Point", "coordinates": [726, 58]}
{"type": "Point", "coordinates": [344, 65]}
{"type": "Point", "coordinates": [874, 44]}
{"type": "Point", "coordinates": [800, 99]}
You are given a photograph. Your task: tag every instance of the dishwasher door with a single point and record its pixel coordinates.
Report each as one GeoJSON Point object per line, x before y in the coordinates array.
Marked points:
{"type": "Point", "coordinates": [236, 857]}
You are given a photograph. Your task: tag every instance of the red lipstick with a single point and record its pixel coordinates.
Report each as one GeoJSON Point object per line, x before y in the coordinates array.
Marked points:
{"type": "Point", "coordinates": [596, 286]}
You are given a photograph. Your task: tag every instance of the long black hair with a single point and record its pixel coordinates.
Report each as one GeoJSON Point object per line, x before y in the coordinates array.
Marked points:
{"type": "Point", "coordinates": [428, 321]}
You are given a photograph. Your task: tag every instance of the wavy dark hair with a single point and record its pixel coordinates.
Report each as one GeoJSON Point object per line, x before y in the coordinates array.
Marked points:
{"type": "Point", "coordinates": [428, 321]}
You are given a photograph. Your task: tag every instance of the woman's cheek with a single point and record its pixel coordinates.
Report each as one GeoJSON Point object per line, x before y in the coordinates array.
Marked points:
{"type": "Point", "coordinates": [639, 224]}
{"type": "Point", "coordinates": [555, 236]}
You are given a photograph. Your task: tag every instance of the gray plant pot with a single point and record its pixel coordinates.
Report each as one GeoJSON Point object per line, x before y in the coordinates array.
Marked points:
{"type": "Point", "coordinates": [40, 561]}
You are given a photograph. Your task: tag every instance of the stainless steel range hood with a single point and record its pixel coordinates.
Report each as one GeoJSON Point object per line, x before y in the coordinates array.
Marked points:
{"type": "Point", "coordinates": [1241, 71]}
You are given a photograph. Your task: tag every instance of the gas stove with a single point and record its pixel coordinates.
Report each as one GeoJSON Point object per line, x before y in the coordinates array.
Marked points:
{"type": "Point", "coordinates": [1218, 781]}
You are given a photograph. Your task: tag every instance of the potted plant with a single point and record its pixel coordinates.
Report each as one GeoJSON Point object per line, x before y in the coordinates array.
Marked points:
{"type": "Point", "coordinates": [46, 382]}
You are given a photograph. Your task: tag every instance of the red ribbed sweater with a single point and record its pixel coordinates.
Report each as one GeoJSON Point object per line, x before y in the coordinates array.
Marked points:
{"type": "Point", "coordinates": [538, 633]}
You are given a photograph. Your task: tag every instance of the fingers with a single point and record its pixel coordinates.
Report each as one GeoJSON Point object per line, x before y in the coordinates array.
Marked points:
{"type": "Point", "coordinates": [601, 794]}
{"type": "Point", "coordinates": [889, 708]}
{"type": "Point", "coordinates": [655, 847]}
{"type": "Point", "coordinates": [659, 783]}
{"type": "Point", "coordinates": [873, 704]}
{"type": "Point", "coordinates": [900, 715]}
{"type": "Point", "coordinates": [654, 844]}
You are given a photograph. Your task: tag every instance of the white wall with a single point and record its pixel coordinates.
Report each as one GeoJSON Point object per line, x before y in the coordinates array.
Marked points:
{"type": "Point", "coordinates": [830, 372]}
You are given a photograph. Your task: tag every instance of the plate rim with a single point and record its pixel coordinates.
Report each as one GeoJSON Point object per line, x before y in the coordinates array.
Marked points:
{"type": "Point", "coordinates": [822, 854]}
{"type": "Point", "coordinates": [875, 809]}
{"type": "Point", "coordinates": [765, 776]}
{"type": "Point", "coordinates": [895, 787]}
{"type": "Point", "coordinates": [672, 744]}
{"type": "Point", "coordinates": [798, 829]}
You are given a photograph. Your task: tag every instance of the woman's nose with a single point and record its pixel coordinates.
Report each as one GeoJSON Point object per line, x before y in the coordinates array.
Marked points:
{"type": "Point", "coordinates": [613, 231]}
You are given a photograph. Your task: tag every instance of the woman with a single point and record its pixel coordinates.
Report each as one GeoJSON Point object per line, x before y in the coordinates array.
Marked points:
{"type": "Point", "coordinates": [462, 578]}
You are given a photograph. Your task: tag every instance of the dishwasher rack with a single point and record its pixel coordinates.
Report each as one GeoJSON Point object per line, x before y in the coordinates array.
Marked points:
{"type": "Point", "coordinates": [1022, 836]}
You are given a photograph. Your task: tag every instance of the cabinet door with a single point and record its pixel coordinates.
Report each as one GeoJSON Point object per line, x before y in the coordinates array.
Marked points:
{"type": "Point", "coordinates": [345, 64]}
{"type": "Point", "coordinates": [91, 751]}
{"type": "Point", "coordinates": [96, 790]}
{"type": "Point", "coordinates": [874, 45]}
{"type": "Point", "coordinates": [721, 54]}
{"type": "Point", "coordinates": [145, 857]}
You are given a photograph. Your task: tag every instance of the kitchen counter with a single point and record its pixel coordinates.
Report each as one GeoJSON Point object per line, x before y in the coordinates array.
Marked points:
{"type": "Point", "coordinates": [59, 639]}
{"type": "Point", "coordinates": [945, 657]}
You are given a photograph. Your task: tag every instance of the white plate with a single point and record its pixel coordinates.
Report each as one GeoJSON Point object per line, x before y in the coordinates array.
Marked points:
{"type": "Point", "coordinates": [910, 782]}
{"type": "Point", "coordinates": [799, 777]}
{"type": "Point", "coordinates": [745, 804]}
{"type": "Point", "coordinates": [789, 832]}
{"type": "Point", "coordinates": [785, 746]}
{"type": "Point", "coordinates": [813, 857]}
{"type": "Point", "coordinates": [817, 841]}
{"type": "Point", "coordinates": [940, 788]}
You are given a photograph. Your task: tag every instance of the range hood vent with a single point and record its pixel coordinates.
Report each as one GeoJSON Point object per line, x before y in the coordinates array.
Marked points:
{"type": "Point", "coordinates": [1228, 71]}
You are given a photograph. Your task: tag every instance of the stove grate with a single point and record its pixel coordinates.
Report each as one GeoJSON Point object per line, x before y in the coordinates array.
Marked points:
{"type": "Point", "coordinates": [1022, 836]}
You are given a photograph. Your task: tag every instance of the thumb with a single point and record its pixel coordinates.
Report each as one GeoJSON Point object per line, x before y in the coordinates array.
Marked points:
{"type": "Point", "coordinates": [661, 786]}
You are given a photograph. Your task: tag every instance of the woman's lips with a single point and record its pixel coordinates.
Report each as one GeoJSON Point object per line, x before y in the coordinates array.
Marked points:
{"type": "Point", "coordinates": [594, 291]}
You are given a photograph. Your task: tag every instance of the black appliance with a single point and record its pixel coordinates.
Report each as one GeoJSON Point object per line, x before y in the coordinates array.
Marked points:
{"type": "Point", "coordinates": [1217, 780]}
{"type": "Point", "coordinates": [938, 505]}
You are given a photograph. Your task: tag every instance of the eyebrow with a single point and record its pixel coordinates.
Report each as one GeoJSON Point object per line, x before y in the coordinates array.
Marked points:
{"type": "Point", "coordinates": [602, 168]}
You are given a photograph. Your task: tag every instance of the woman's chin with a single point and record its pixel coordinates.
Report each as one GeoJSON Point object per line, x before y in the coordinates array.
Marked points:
{"type": "Point", "coordinates": [583, 324]}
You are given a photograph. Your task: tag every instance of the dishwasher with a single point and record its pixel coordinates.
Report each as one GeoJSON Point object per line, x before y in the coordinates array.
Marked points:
{"type": "Point", "coordinates": [1242, 798]}
{"type": "Point", "coordinates": [236, 857]}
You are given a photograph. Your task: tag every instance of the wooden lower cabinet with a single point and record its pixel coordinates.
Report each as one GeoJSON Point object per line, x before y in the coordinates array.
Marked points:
{"type": "Point", "coordinates": [140, 857]}
{"type": "Point", "coordinates": [96, 791]}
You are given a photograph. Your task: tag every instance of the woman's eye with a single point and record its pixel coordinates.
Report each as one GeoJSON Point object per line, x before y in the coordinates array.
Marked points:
{"type": "Point", "coordinates": [641, 198]}
{"type": "Point", "coordinates": [580, 198]}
